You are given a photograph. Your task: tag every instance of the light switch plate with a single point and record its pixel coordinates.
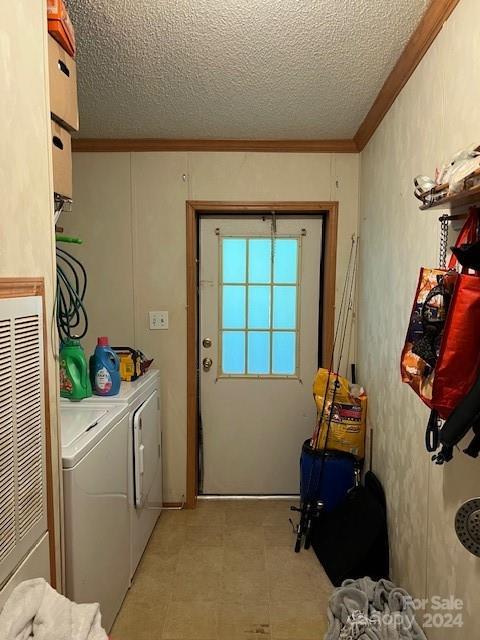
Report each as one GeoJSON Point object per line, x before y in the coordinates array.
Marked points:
{"type": "Point", "coordinates": [158, 319]}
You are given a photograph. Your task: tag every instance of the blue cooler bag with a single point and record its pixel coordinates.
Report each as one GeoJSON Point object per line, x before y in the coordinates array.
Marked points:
{"type": "Point", "coordinates": [331, 486]}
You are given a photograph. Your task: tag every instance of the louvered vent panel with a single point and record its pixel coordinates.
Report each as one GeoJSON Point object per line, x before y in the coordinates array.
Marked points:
{"type": "Point", "coordinates": [7, 470]}
{"type": "Point", "coordinates": [22, 448]}
{"type": "Point", "coordinates": [29, 422]}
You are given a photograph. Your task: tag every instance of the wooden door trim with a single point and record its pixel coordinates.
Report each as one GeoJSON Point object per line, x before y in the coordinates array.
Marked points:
{"type": "Point", "coordinates": [195, 209]}
{"type": "Point", "coordinates": [21, 288]}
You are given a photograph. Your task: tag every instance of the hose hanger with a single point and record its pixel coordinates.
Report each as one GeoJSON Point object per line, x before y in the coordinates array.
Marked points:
{"type": "Point", "coordinates": [274, 223]}
{"type": "Point", "coordinates": [273, 235]}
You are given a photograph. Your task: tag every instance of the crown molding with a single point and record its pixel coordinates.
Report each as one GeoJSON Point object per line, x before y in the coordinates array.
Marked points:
{"type": "Point", "coordinates": [265, 146]}
{"type": "Point", "coordinates": [422, 38]}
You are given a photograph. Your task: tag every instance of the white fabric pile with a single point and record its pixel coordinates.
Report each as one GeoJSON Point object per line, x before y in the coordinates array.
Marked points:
{"type": "Point", "coordinates": [367, 610]}
{"type": "Point", "coordinates": [35, 610]}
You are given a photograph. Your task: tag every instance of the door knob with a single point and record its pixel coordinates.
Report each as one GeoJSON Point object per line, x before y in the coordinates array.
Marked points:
{"type": "Point", "coordinates": [207, 363]}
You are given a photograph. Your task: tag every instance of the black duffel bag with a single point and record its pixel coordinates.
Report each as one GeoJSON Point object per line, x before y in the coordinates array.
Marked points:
{"type": "Point", "coordinates": [352, 540]}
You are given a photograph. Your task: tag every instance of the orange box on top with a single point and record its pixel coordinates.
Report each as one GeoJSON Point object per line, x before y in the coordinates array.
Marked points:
{"type": "Point", "coordinates": [60, 26]}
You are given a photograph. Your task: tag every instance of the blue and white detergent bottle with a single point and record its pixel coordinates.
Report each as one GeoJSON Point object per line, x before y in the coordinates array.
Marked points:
{"type": "Point", "coordinates": [104, 369]}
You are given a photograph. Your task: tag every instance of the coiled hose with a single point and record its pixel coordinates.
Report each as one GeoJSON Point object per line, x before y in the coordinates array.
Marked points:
{"type": "Point", "coordinates": [71, 316]}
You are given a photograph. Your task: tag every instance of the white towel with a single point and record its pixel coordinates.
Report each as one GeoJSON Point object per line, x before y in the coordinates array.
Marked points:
{"type": "Point", "coordinates": [367, 610]}
{"type": "Point", "coordinates": [35, 610]}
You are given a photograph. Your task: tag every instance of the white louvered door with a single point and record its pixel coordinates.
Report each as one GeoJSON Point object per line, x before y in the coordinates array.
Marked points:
{"type": "Point", "coordinates": [23, 510]}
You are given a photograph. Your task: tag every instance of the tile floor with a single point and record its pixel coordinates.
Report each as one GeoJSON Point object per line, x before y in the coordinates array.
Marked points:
{"type": "Point", "coordinates": [225, 571]}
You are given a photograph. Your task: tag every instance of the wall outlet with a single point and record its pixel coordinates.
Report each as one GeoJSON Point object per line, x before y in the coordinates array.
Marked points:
{"type": "Point", "coordinates": [158, 319]}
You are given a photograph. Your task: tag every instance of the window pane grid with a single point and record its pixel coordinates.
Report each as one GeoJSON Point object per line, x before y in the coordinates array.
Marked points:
{"type": "Point", "coordinates": [266, 314]}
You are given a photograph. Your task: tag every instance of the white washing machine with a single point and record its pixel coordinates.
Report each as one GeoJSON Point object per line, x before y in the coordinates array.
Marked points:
{"type": "Point", "coordinates": [97, 513]}
{"type": "Point", "coordinates": [144, 456]}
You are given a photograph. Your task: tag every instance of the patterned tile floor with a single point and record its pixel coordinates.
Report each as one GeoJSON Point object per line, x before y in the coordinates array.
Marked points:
{"type": "Point", "coordinates": [225, 571]}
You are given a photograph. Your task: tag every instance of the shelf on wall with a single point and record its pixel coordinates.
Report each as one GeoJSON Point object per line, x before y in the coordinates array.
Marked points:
{"type": "Point", "coordinates": [62, 205]}
{"type": "Point", "coordinates": [469, 195]}
{"type": "Point", "coordinates": [455, 200]}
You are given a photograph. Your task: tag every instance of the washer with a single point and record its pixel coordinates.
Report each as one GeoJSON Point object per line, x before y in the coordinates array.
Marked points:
{"type": "Point", "coordinates": [145, 495]}
{"type": "Point", "coordinates": [97, 513]}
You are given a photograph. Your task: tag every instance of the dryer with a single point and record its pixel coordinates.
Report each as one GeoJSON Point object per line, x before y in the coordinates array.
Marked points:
{"type": "Point", "coordinates": [145, 471]}
{"type": "Point", "coordinates": [144, 468]}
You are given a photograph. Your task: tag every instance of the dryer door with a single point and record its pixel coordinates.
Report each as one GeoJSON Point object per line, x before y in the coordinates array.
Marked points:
{"type": "Point", "coordinates": [146, 448]}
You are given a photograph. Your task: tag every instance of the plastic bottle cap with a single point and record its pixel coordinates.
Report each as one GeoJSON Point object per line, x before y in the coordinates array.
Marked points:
{"type": "Point", "coordinates": [102, 341]}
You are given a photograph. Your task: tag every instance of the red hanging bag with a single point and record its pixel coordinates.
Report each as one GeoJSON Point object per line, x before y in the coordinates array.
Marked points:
{"type": "Point", "coordinates": [458, 363]}
{"type": "Point", "coordinates": [441, 356]}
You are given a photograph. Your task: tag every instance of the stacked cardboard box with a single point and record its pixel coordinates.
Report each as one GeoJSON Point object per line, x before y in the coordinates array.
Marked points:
{"type": "Point", "coordinates": [63, 101]}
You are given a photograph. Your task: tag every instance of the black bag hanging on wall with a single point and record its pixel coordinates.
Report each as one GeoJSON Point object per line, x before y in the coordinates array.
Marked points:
{"type": "Point", "coordinates": [352, 540]}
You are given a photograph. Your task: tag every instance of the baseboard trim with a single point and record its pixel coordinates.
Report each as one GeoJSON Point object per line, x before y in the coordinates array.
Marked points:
{"type": "Point", "coordinates": [250, 497]}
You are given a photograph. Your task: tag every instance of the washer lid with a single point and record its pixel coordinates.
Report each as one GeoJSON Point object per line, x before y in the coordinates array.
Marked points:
{"type": "Point", "coordinates": [75, 423]}
{"type": "Point", "coordinates": [84, 425]}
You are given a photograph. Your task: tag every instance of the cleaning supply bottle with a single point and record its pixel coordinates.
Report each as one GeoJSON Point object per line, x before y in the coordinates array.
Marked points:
{"type": "Point", "coordinates": [74, 379]}
{"type": "Point", "coordinates": [105, 369]}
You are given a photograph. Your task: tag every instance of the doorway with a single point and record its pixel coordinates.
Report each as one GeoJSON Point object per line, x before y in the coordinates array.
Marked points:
{"type": "Point", "coordinates": [265, 335]}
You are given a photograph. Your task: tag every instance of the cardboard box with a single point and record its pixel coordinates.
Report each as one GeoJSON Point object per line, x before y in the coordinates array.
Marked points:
{"type": "Point", "coordinates": [62, 160]}
{"type": "Point", "coordinates": [63, 86]}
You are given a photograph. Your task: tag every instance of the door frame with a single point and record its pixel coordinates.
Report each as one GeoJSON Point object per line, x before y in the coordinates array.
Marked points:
{"type": "Point", "coordinates": [194, 210]}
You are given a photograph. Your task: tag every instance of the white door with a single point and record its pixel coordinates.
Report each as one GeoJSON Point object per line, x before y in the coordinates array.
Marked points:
{"type": "Point", "coordinates": [259, 326]}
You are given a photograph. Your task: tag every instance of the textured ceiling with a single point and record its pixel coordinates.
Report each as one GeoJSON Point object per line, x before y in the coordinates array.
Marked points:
{"type": "Point", "coordinates": [235, 68]}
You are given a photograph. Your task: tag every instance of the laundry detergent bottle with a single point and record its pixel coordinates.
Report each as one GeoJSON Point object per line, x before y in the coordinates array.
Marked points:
{"type": "Point", "coordinates": [74, 380]}
{"type": "Point", "coordinates": [105, 369]}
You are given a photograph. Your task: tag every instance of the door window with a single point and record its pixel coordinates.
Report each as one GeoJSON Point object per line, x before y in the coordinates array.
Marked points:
{"type": "Point", "coordinates": [259, 293]}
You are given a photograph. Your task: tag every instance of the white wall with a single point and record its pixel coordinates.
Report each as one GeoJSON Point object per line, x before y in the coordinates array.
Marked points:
{"type": "Point", "coordinates": [130, 211]}
{"type": "Point", "coordinates": [436, 113]}
{"type": "Point", "coordinates": [26, 218]}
